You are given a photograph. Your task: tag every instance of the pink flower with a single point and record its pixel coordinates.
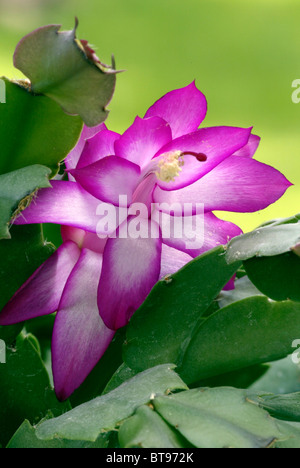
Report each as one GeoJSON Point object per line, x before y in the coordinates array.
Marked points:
{"type": "Point", "coordinates": [161, 159]}
{"type": "Point", "coordinates": [67, 283]}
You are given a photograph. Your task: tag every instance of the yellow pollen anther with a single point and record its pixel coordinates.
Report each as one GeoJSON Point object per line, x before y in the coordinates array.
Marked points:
{"type": "Point", "coordinates": [170, 166]}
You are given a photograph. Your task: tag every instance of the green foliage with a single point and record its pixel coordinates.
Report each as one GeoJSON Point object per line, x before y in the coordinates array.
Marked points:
{"type": "Point", "coordinates": [87, 421]}
{"type": "Point", "coordinates": [281, 377]}
{"type": "Point", "coordinates": [62, 68]}
{"type": "Point", "coordinates": [218, 418]}
{"type": "Point", "coordinates": [146, 429]}
{"type": "Point", "coordinates": [278, 277]}
{"type": "Point", "coordinates": [271, 258]}
{"type": "Point", "coordinates": [204, 418]}
{"type": "Point", "coordinates": [252, 331]}
{"type": "Point", "coordinates": [122, 374]}
{"type": "Point", "coordinates": [174, 310]}
{"type": "Point", "coordinates": [222, 343]}
{"type": "Point", "coordinates": [242, 378]}
{"type": "Point", "coordinates": [20, 257]}
{"type": "Point", "coordinates": [24, 388]}
{"type": "Point", "coordinates": [285, 407]}
{"type": "Point", "coordinates": [243, 288]}
{"type": "Point", "coordinates": [17, 191]}
{"type": "Point", "coordinates": [272, 239]}
{"type": "Point", "coordinates": [34, 130]}
{"type": "Point", "coordinates": [25, 437]}
{"type": "Point", "coordinates": [292, 435]}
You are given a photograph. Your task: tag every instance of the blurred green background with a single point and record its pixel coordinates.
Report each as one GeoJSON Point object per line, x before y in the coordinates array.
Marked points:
{"type": "Point", "coordinates": [243, 54]}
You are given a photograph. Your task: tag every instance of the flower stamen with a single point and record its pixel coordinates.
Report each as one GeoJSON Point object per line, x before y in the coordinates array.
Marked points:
{"type": "Point", "coordinates": [171, 164]}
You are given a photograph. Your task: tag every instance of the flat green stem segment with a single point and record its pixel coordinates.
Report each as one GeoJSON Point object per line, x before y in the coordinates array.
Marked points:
{"type": "Point", "coordinates": [218, 418]}
{"type": "Point", "coordinates": [267, 241]}
{"type": "Point", "coordinates": [285, 407]}
{"type": "Point", "coordinates": [245, 333]}
{"type": "Point", "coordinates": [34, 130]}
{"type": "Point", "coordinates": [17, 191]}
{"type": "Point", "coordinates": [277, 277]}
{"type": "Point", "coordinates": [87, 421]}
{"type": "Point", "coordinates": [146, 429]}
{"type": "Point", "coordinates": [20, 257]}
{"type": "Point", "coordinates": [161, 330]}
{"type": "Point", "coordinates": [25, 388]}
{"type": "Point", "coordinates": [25, 437]}
{"type": "Point", "coordinates": [60, 67]}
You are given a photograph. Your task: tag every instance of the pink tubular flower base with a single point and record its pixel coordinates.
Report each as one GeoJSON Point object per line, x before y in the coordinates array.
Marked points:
{"type": "Point", "coordinates": [164, 158]}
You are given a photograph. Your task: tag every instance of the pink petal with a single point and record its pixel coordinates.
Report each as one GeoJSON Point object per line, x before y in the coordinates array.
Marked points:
{"type": "Point", "coordinates": [94, 243]}
{"type": "Point", "coordinates": [230, 285]}
{"type": "Point", "coordinates": [72, 159]}
{"type": "Point", "coordinates": [172, 260]}
{"type": "Point", "coordinates": [84, 239]}
{"type": "Point", "coordinates": [217, 143]}
{"type": "Point", "coordinates": [250, 148]}
{"type": "Point", "coordinates": [238, 184]}
{"type": "Point", "coordinates": [80, 337]}
{"type": "Point", "coordinates": [97, 147]}
{"type": "Point", "coordinates": [130, 269]}
{"type": "Point", "coordinates": [65, 203]}
{"type": "Point", "coordinates": [199, 234]}
{"type": "Point", "coordinates": [109, 178]}
{"type": "Point", "coordinates": [184, 109]}
{"type": "Point", "coordinates": [76, 235]}
{"type": "Point", "coordinates": [144, 191]}
{"type": "Point", "coordinates": [143, 140]}
{"type": "Point", "coordinates": [41, 294]}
